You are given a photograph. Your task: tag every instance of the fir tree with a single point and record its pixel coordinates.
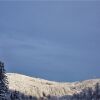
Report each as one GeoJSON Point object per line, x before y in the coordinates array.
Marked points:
{"type": "Point", "coordinates": [3, 82]}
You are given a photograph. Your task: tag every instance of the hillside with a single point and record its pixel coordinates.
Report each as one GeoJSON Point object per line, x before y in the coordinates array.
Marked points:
{"type": "Point", "coordinates": [39, 87]}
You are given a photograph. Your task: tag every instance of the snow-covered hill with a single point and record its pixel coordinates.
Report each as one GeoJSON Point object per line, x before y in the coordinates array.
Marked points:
{"type": "Point", "coordinates": [37, 87]}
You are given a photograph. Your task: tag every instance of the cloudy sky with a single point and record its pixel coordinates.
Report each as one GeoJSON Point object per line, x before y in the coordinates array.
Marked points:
{"type": "Point", "coordinates": [55, 40]}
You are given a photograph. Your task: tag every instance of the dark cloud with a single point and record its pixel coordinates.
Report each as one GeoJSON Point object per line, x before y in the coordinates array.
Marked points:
{"type": "Point", "coordinates": [53, 40]}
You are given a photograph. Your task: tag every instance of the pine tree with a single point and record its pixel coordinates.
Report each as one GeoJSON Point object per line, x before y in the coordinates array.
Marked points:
{"type": "Point", "coordinates": [3, 82]}
{"type": "Point", "coordinates": [97, 92]}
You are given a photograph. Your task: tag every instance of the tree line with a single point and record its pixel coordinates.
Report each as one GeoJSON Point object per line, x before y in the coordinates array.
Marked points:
{"type": "Point", "coordinates": [88, 93]}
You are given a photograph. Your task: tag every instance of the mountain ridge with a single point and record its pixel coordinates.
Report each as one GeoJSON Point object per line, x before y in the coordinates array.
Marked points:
{"type": "Point", "coordinates": [39, 87]}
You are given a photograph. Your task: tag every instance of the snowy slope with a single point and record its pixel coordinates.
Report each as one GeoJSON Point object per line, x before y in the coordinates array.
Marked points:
{"type": "Point", "coordinates": [40, 87]}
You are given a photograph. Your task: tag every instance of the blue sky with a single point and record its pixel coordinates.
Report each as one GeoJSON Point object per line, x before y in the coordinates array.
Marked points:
{"type": "Point", "coordinates": [55, 40]}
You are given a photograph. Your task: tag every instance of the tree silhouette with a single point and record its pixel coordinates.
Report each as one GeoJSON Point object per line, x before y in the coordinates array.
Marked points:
{"type": "Point", "coordinates": [3, 82]}
{"type": "Point", "coordinates": [97, 92]}
{"type": "Point", "coordinates": [88, 94]}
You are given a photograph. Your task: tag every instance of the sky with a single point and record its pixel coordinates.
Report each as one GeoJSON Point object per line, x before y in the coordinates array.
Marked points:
{"type": "Point", "coordinates": [54, 40]}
